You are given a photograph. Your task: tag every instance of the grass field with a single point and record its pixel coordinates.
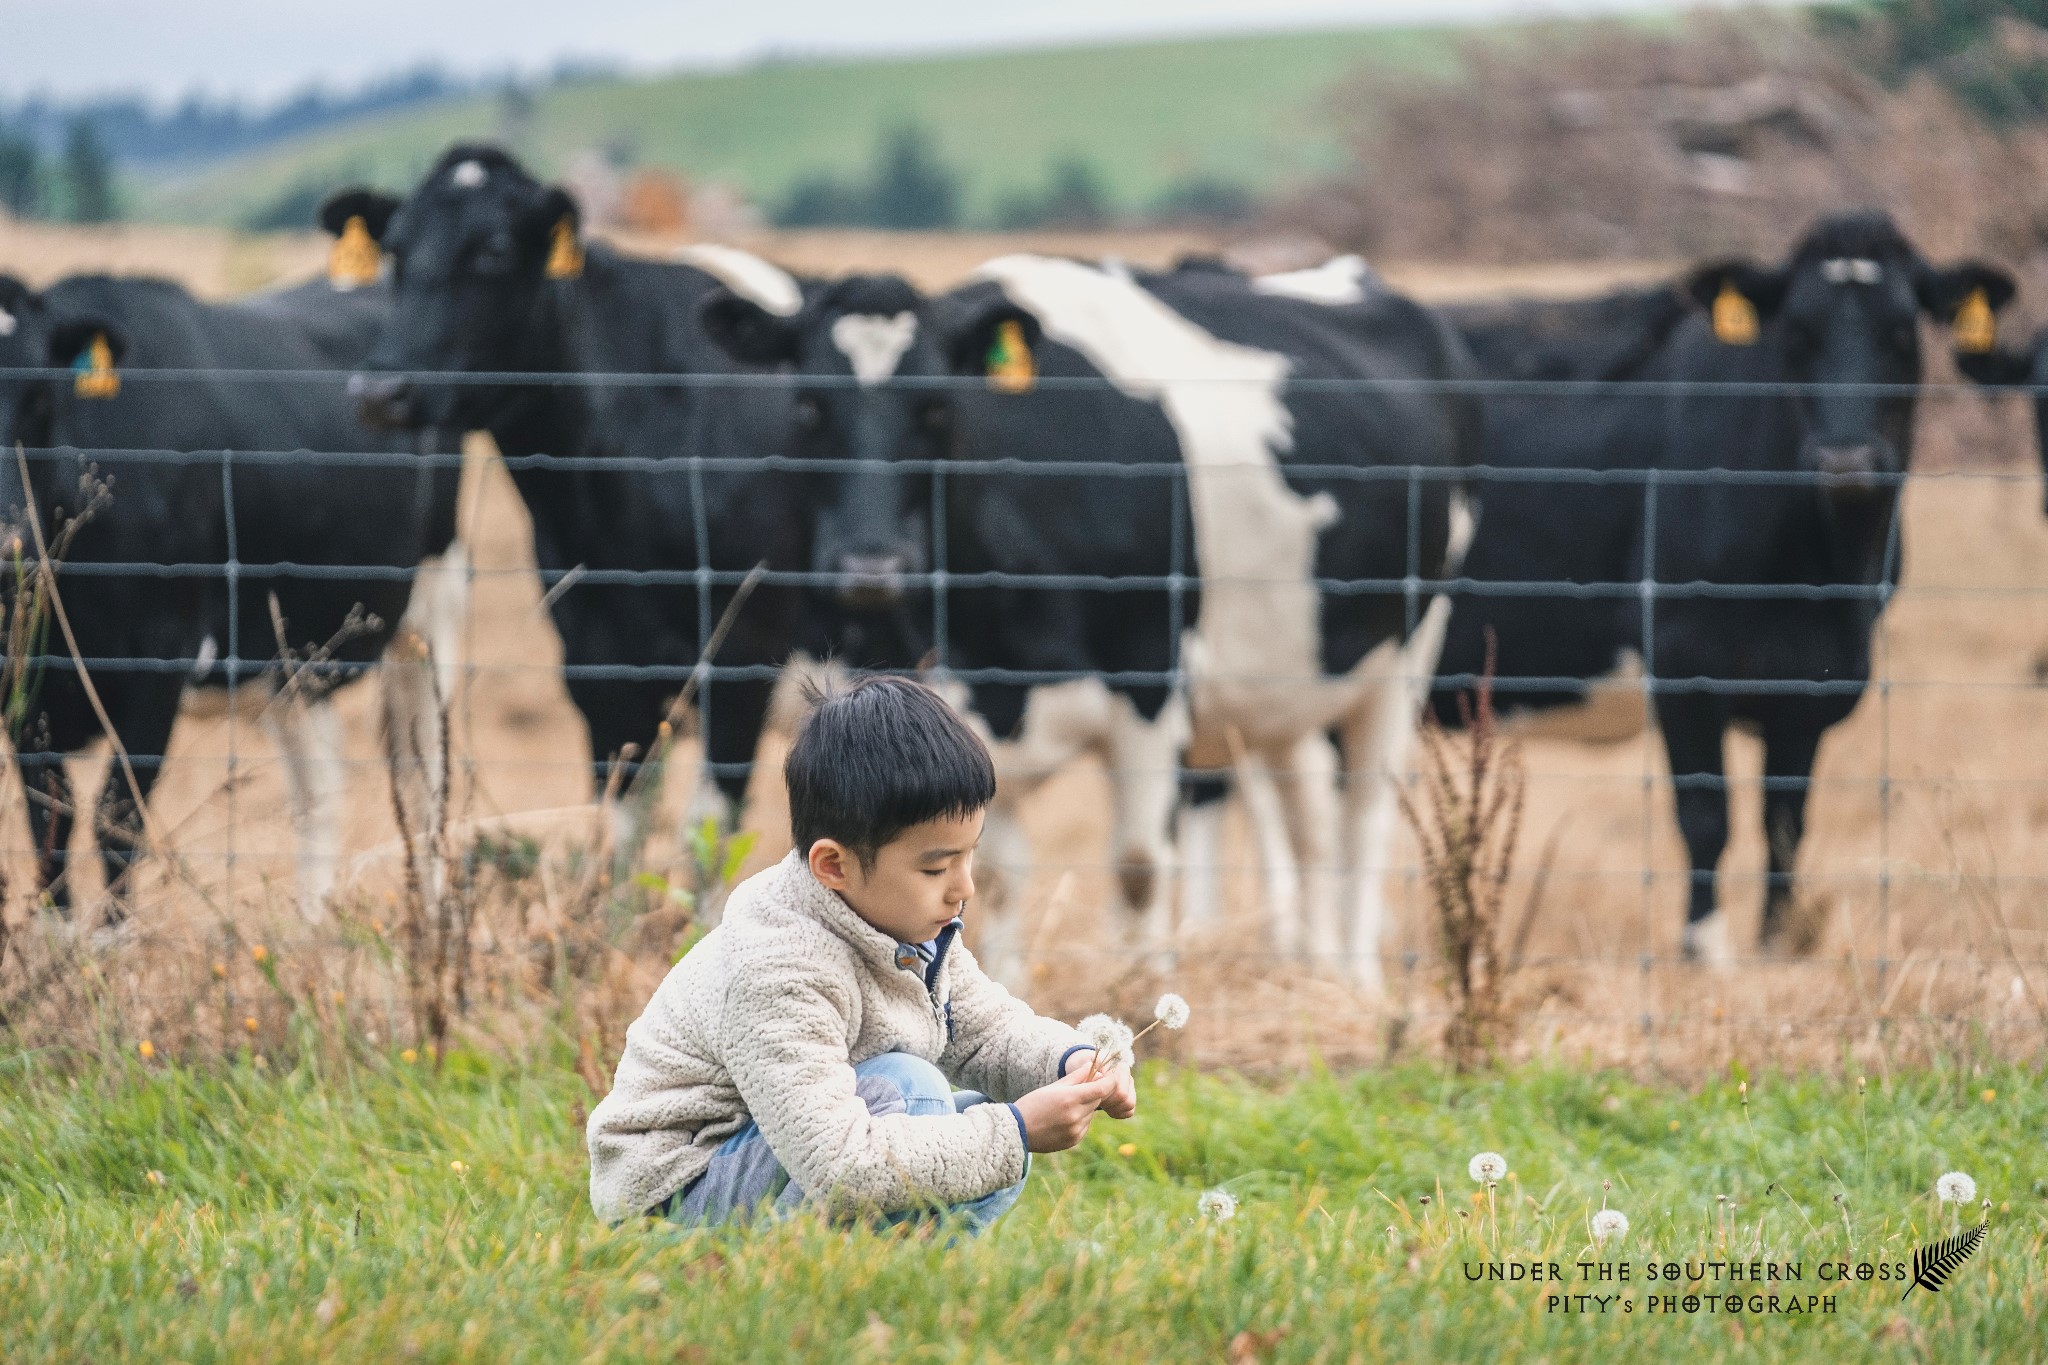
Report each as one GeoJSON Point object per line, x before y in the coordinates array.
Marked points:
{"type": "Point", "coordinates": [364, 1208]}
{"type": "Point", "coordinates": [1243, 109]}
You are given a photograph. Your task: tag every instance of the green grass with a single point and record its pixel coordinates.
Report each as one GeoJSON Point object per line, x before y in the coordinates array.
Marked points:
{"type": "Point", "coordinates": [318, 1214]}
{"type": "Point", "coordinates": [1148, 114]}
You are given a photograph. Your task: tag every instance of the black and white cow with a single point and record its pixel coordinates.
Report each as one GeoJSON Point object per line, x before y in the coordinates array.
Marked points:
{"type": "Point", "coordinates": [1772, 539]}
{"type": "Point", "coordinates": [231, 477]}
{"type": "Point", "coordinates": [1139, 427]}
{"type": "Point", "coordinates": [492, 277]}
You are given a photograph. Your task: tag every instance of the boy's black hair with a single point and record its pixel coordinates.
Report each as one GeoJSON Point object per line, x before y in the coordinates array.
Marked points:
{"type": "Point", "coordinates": [876, 757]}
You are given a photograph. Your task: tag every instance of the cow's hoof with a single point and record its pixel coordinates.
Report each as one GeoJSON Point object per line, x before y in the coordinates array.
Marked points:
{"type": "Point", "coordinates": [1705, 943]}
{"type": "Point", "coordinates": [1796, 931]}
{"type": "Point", "coordinates": [1136, 874]}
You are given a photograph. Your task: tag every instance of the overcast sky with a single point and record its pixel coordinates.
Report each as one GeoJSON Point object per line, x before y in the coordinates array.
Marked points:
{"type": "Point", "coordinates": [261, 49]}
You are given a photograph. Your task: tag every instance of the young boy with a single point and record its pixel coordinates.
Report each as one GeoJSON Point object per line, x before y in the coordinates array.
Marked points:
{"type": "Point", "coordinates": [800, 1051]}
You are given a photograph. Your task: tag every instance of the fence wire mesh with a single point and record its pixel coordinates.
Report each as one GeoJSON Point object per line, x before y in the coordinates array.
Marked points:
{"type": "Point", "coordinates": [1926, 850]}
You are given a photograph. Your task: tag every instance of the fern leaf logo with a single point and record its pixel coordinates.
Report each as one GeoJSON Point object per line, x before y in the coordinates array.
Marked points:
{"type": "Point", "coordinates": [1933, 1264]}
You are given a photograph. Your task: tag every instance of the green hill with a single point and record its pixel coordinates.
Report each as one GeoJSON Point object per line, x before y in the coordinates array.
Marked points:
{"type": "Point", "coordinates": [1248, 111]}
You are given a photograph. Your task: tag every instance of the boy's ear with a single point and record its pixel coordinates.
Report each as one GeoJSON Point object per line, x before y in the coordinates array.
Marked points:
{"type": "Point", "coordinates": [832, 864]}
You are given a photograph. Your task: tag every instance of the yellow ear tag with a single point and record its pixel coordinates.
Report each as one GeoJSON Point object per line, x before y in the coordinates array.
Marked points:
{"type": "Point", "coordinates": [565, 253]}
{"type": "Point", "coordinates": [1975, 328]}
{"type": "Point", "coordinates": [93, 371]}
{"type": "Point", "coordinates": [1009, 361]}
{"type": "Point", "coordinates": [1734, 317]}
{"type": "Point", "coordinates": [354, 258]}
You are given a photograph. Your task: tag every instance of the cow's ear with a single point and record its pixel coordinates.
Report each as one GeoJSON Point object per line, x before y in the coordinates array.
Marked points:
{"type": "Point", "coordinates": [1967, 297]}
{"type": "Point", "coordinates": [991, 337]}
{"type": "Point", "coordinates": [748, 332]}
{"type": "Point", "coordinates": [556, 224]}
{"type": "Point", "coordinates": [356, 219]}
{"type": "Point", "coordinates": [1999, 365]}
{"type": "Point", "coordinates": [72, 340]}
{"type": "Point", "coordinates": [1737, 295]}
{"type": "Point", "coordinates": [374, 207]}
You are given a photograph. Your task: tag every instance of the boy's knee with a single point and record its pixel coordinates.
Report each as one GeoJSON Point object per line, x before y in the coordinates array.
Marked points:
{"type": "Point", "coordinates": [898, 1082]}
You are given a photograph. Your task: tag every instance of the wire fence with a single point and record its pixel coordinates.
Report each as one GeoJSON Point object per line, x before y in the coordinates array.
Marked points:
{"type": "Point", "coordinates": [1965, 741]}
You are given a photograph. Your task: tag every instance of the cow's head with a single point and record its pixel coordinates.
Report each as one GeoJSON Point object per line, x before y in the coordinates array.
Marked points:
{"type": "Point", "coordinates": [34, 336]}
{"type": "Point", "coordinates": [874, 359]}
{"type": "Point", "coordinates": [472, 253]}
{"type": "Point", "coordinates": [1844, 310]}
{"type": "Point", "coordinates": [2001, 365]}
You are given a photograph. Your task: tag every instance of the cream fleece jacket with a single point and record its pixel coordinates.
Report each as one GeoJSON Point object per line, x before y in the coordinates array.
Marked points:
{"type": "Point", "coordinates": [766, 1016]}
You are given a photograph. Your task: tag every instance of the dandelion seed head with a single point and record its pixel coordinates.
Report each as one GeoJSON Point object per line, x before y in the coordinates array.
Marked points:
{"type": "Point", "coordinates": [1956, 1188]}
{"type": "Point", "coordinates": [1609, 1223]}
{"type": "Point", "coordinates": [1171, 1011]}
{"type": "Point", "coordinates": [1111, 1039]}
{"type": "Point", "coordinates": [1488, 1167]}
{"type": "Point", "coordinates": [1219, 1205]}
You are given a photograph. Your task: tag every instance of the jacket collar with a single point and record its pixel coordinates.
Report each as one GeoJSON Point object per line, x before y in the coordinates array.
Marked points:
{"type": "Point", "coordinates": [830, 909]}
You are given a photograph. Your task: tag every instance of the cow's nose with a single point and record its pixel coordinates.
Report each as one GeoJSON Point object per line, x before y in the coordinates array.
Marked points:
{"type": "Point", "coordinates": [1857, 464]}
{"type": "Point", "coordinates": [383, 400]}
{"type": "Point", "coordinates": [870, 580]}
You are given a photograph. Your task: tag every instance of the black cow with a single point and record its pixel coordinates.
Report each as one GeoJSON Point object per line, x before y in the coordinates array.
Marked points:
{"type": "Point", "coordinates": [206, 473]}
{"type": "Point", "coordinates": [1150, 426]}
{"type": "Point", "coordinates": [492, 277]}
{"type": "Point", "coordinates": [1769, 577]}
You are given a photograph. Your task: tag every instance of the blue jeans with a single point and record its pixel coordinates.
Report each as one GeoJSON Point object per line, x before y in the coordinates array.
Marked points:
{"type": "Point", "coordinates": [744, 1173]}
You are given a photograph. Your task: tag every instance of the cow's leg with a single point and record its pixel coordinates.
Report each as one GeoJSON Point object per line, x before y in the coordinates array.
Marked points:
{"type": "Point", "coordinates": [1200, 839]}
{"type": "Point", "coordinates": [307, 733]}
{"type": "Point", "coordinates": [437, 609]}
{"type": "Point", "coordinates": [999, 932]}
{"type": "Point", "coordinates": [1144, 764]}
{"type": "Point", "coordinates": [620, 716]}
{"type": "Point", "coordinates": [143, 718]}
{"type": "Point", "coordinates": [1789, 748]}
{"type": "Point", "coordinates": [1693, 725]}
{"type": "Point", "coordinates": [1307, 784]}
{"type": "Point", "coordinates": [50, 814]}
{"type": "Point", "coordinates": [1267, 816]}
{"type": "Point", "coordinates": [415, 733]}
{"type": "Point", "coordinates": [733, 719]}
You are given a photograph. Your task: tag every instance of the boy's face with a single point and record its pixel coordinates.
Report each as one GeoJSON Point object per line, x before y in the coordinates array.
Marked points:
{"type": "Point", "coordinates": [918, 880]}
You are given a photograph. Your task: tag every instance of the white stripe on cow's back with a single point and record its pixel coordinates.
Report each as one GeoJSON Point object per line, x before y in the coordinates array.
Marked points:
{"type": "Point", "coordinates": [1258, 638]}
{"type": "Point", "coordinates": [873, 343]}
{"type": "Point", "coordinates": [1341, 279]}
{"type": "Point", "coordinates": [747, 275]}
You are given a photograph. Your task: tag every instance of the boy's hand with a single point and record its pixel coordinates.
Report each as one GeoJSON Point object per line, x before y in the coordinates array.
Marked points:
{"type": "Point", "coordinates": [1120, 1103]}
{"type": "Point", "coordinates": [1056, 1116]}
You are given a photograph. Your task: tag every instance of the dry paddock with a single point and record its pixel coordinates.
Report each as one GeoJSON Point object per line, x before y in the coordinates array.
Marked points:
{"type": "Point", "coordinates": [1927, 849]}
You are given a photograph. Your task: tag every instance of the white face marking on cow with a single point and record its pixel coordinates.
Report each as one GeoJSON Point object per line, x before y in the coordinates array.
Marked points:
{"type": "Point", "coordinates": [747, 275]}
{"type": "Point", "coordinates": [1845, 269]}
{"type": "Point", "coordinates": [467, 175]}
{"type": "Point", "coordinates": [7, 323]}
{"type": "Point", "coordinates": [874, 344]}
{"type": "Point", "coordinates": [1342, 279]}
